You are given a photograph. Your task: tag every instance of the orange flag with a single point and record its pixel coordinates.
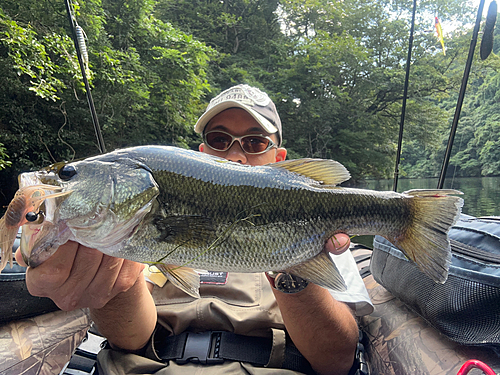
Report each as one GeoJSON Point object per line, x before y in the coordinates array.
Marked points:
{"type": "Point", "coordinates": [439, 31]}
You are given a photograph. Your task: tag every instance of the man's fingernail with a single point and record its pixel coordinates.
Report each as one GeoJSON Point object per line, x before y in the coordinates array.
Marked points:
{"type": "Point", "coordinates": [338, 244]}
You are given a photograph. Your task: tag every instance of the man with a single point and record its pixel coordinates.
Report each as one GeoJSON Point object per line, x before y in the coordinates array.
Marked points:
{"type": "Point", "coordinates": [293, 326]}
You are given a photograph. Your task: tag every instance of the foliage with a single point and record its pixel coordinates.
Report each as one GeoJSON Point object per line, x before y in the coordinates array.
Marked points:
{"type": "Point", "coordinates": [246, 33]}
{"type": "Point", "coordinates": [349, 65]}
{"type": "Point", "coordinates": [476, 143]}
{"type": "Point", "coordinates": [3, 156]}
{"type": "Point", "coordinates": [335, 70]}
{"type": "Point", "coordinates": [147, 80]}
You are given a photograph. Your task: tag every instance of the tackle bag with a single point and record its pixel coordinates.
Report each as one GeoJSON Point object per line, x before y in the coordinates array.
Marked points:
{"type": "Point", "coordinates": [466, 308]}
{"type": "Point", "coordinates": [16, 302]}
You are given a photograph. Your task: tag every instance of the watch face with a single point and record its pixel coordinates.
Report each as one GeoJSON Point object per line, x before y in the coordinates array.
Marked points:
{"type": "Point", "coordinates": [287, 283]}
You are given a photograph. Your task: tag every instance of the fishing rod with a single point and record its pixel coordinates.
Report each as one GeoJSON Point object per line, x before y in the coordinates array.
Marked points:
{"type": "Point", "coordinates": [461, 96]}
{"type": "Point", "coordinates": [81, 52]}
{"type": "Point", "coordinates": [405, 94]}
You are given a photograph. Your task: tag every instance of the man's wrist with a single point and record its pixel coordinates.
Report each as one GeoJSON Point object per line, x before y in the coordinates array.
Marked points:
{"type": "Point", "coordinates": [287, 283]}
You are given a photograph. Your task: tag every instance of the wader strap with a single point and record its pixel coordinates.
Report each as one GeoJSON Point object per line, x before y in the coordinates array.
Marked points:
{"type": "Point", "coordinates": [214, 347]}
{"type": "Point", "coordinates": [277, 356]}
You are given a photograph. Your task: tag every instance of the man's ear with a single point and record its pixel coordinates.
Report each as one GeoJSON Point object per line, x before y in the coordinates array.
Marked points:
{"type": "Point", "coordinates": [201, 147]}
{"type": "Point", "coordinates": [280, 154]}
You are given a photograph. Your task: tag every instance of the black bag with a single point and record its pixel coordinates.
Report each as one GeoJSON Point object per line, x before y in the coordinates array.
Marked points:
{"type": "Point", "coordinates": [466, 308]}
{"type": "Point", "coordinates": [16, 302]}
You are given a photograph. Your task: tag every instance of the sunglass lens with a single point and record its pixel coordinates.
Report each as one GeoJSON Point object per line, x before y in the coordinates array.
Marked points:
{"type": "Point", "coordinates": [218, 141]}
{"type": "Point", "coordinates": [254, 144]}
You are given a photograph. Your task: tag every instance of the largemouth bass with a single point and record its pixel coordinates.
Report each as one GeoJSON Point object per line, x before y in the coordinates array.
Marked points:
{"type": "Point", "coordinates": [182, 210]}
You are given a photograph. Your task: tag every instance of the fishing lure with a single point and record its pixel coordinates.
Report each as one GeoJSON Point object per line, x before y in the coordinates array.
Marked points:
{"type": "Point", "coordinates": [24, 208]}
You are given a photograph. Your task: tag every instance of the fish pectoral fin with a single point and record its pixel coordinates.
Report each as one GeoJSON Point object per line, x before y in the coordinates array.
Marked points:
{"type": "Point", "coordinates": [325, 172]}
{"type": "Point", "coordinates": [184, 278]}
{"type": "Point", "coordinates": [322, 271]}
{"type": "Point", "coordinates": [186, 230]}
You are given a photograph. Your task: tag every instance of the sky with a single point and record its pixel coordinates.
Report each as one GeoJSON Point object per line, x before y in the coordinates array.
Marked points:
{"type": "Point", "coordinates": [450, 26]}
{"type": "Point", "coordinates": [475, 4]}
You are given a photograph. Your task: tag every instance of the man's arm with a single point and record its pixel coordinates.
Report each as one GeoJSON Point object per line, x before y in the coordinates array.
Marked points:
{"type": "Point", "coordinates": [322, 328]}
{"type": "Point", "coordinates": [128, 320]}
{"type": "Point", "coordinates": [114, 289]}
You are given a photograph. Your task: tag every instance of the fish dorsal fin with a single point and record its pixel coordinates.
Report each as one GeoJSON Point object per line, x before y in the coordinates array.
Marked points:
{"type": "Point", "coordinates": [325, 172]}
{"type": "Point", "coordinates": [322, 271]}
{"type": "Point", "coordinates": [184, 278]}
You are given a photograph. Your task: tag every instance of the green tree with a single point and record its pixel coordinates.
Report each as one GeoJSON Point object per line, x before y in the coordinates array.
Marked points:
{"type": "Point", "coordinates": [347, 67]}
{"type": "Point", "coordinates": [3, 156]}
{"type": "Point", "coordinates": [147, 81]}
{"type": "Point", "coordinates": [246, 33]}
{"type": "Point", "coordinates": [473, 152]}
{"type": "Point", "coordinates": [335, 70]}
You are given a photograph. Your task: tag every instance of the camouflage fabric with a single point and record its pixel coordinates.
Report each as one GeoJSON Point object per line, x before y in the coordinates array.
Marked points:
{"type": "Point", "coordinates": [43, 344]}
{"type": "Point", "coordinates": [401, 342]}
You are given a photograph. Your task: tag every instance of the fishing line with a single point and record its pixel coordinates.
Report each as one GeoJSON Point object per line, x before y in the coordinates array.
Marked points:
{"type": "Point", "coordinates": [82, 54]}
{"type": "Point", "coordinates": [217, 242]}
{"type": "Point", "coordinates": [221, 239]}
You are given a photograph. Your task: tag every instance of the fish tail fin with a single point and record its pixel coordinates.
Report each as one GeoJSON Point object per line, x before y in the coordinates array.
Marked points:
{"type": "Point", "coordinates": [7, 238]}
{"type": "Point", "coordinates": [425, 241]}
{"type": "Point", "coordinates": [320, 270]}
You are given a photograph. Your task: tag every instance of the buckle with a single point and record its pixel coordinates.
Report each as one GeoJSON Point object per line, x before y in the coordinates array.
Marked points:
{"type": "Point", "coordinates": [203, 347]}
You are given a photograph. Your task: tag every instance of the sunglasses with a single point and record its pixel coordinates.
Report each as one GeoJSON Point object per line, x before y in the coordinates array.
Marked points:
{"type": "Point", "coordinates": [253, 144]}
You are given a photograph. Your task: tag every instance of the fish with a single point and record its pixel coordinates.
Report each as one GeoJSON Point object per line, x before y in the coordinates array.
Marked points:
{"type": "Point", "coordinates": [182, 210]}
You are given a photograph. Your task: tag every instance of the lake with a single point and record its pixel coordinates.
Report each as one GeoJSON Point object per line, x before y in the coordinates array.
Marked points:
{"type": "Point", "coordinates": [481, 194]}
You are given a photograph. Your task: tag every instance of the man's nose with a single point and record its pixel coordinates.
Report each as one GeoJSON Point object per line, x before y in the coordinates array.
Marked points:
{"type": "Point", "coordinates": [236, 153]}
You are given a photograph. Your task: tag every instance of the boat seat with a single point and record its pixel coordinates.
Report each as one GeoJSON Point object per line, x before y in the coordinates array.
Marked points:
{"type": "Point", "coordinates": [399, 342]}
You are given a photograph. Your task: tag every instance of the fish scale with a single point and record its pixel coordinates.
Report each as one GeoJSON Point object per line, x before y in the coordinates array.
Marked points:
{"type": "Point", "coordinates": [188, 210]}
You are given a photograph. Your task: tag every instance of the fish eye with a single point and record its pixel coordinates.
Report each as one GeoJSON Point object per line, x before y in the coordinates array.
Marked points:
{"type": "Point", "coordinates": [66, 172]}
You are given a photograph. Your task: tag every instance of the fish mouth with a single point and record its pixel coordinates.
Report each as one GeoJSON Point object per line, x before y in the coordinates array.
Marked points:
{"type": "Point", "coordinates": [39, 242]}
{"type": "Point", "coordinates": [40, 239]}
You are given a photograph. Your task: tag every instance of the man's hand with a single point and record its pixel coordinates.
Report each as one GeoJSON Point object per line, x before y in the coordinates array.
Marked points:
{"type": "Point", "coordinates": [114, 289]}
{"type": "Point", "coordinates": [76, 276]}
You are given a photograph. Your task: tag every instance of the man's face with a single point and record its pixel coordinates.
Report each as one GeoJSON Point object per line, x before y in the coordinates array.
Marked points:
{"type": "Point", "coordinates": [239, 122]}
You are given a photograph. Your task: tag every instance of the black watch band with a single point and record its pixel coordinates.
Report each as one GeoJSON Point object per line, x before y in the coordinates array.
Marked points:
{"type": "Point", "coordinates": [288, 283]}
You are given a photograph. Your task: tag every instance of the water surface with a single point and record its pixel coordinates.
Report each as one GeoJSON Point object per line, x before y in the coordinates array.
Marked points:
{"type": "Point", "coordinates": [481, 194]}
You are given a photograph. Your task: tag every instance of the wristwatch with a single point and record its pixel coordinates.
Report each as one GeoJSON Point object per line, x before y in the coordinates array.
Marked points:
{"type": "Point", "coordinates": [287, 283]}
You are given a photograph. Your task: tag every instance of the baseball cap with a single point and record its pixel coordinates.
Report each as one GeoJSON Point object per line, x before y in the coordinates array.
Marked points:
{"type": "Point", "coordinates": [256, 102]}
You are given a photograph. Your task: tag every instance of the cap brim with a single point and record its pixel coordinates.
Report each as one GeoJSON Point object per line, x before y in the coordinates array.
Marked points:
{"type": "Point", "coordinates": [208, 115]}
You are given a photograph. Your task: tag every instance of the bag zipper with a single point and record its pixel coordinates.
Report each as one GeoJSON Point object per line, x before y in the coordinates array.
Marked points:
{"type": "Point", "coordinates": [474, 252]}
